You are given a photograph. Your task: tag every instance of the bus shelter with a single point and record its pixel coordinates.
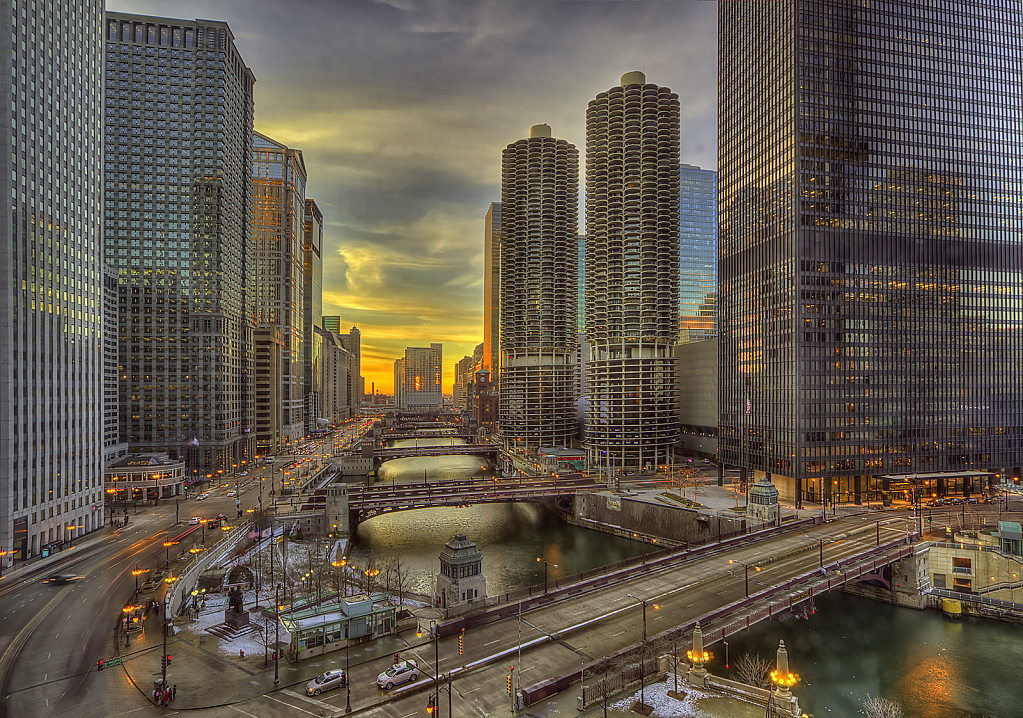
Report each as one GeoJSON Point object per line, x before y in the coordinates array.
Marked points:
{"type": "Point", "coordinates": [332, 626]}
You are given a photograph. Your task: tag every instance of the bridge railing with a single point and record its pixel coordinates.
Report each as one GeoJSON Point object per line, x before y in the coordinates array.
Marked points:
{"type": "Point", "coordinates": [722, 622]}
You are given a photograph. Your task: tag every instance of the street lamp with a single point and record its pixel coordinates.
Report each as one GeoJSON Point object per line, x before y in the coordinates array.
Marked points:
{"type": "Point", "coordinates": [747, 567]}
{"type": "Point", "coordinates": [202, 522]}
{"type": "Point", "coordinates": [545, 572]}
{"type": "Point", "coordinates": [2, 554]}
{"type": "Point", "coordinates": [642, 654]}
{"type": "Point", "coordinates": [136, 573]}
{"type": "Point", "coordinates": [127, 633]}
{"type": "Point", "coordinates": [436, 661]}
{"type": "Point", "coordinates": [167, 545]}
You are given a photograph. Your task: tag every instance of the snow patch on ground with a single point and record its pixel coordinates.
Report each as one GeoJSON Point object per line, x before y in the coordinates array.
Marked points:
{"type": "Point", "coordinates": [656, 695]}
{"type": "Point", "coordinates": [251, 643]}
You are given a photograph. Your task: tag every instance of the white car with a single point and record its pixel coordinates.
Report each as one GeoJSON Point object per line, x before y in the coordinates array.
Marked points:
{"type": "Point", "coordinates": [400, 672]}
{"type": "Point", "coordinates": [232, 493]}
{"type": "Point", "coordinates": [326, 681]}
{"type": "Point", "coordinates": [193, 521]}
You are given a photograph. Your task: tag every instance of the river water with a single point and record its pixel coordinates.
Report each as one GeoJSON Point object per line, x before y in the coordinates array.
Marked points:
{"type": "Point", "coordinates": [511, 536]}
{"type": "Point", "coordinates": [931, 666]}
{"type": "Point", "coordinates": [851, 646]}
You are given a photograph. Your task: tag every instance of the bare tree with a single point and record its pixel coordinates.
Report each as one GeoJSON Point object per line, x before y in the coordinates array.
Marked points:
{"type": "Point", "coordinates": [753, 670]}
{"type": "Point", "coordinates": [397, 578]}
{"type": "Point", "coordinates": [264, 624]}
{"type": "Point", "coordinates": [607, 679]}
{"type": "Point", "coordinates": [878, 707]}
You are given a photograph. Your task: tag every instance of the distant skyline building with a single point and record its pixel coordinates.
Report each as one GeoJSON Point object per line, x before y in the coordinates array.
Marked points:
{"type": "Point", "coordinates": [871, 290]}
{"type": "Point", "coordinates": [421, 377]}
{"type": "Point", "coordinates": [492, 292]}
{"type": "Point", "coordinates": [539, 255]}
{"type": "Point", "coordinates": [278, 298]}
{"type": "Point", "coordinates": [51, 257]}
{"type": "Point", "coordinates": [698, 253]}
{"type": "Point", "coordinates": [178, 144]}
{"type": "Point", "coordinates": [351, 343]}
{"type": "Point", "coordinates": [312, 298]}
{"type": "Point", "coordinates": [632, 256]}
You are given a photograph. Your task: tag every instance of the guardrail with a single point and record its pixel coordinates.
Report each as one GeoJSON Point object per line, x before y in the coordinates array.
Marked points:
{"type": "Point", "coordinates": [722, 622]}
{"type": "Point", "coordinates": [182, 587]}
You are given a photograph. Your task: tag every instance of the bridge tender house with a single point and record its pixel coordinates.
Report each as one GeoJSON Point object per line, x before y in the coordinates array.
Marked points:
{"type": "Point", "coordinates": [332, 626]}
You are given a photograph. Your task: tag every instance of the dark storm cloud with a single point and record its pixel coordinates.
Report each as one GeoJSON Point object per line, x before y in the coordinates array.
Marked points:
{"type": "Point", "coordinates": [402, 108]}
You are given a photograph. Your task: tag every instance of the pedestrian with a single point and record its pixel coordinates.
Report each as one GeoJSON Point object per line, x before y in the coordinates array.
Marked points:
{"type": "Point", "coordinates": [174, 692]}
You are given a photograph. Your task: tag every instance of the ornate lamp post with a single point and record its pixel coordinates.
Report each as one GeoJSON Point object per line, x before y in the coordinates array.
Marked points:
{"type": "Point", "coordinates": [136, 572]}
{"type": "Point", "coordinates": [783, 680]}
{"type": "Point", "coordinates": [166, 546]}
{"type": "Point", "coordinates": [698, 656]}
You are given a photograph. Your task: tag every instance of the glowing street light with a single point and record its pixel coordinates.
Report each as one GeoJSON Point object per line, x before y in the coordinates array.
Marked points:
{"type": "Point", "coordinates": [747, 567]}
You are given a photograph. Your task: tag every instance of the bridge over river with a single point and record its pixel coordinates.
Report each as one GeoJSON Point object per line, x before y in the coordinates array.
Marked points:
{"type": "Point", "coordinates": [563, 634]}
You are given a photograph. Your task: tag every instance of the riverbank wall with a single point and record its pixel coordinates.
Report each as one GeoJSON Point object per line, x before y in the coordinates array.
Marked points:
{"type": "Point", "coordinates": [653, 519]}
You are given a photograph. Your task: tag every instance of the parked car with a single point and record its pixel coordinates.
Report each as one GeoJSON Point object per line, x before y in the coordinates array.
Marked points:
{"type": "Point", "coordinates": [400, 672]}
{"type": "Point", "coordinates": [326, 681]}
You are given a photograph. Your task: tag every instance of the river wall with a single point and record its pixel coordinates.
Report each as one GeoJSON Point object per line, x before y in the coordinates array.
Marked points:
{"type": "Point", "coordinates": [645, 518]}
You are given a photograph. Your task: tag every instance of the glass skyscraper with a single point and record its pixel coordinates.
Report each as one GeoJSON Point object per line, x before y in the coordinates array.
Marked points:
{"type": "Point", "coordinates": [698, 253]}
{"type": "Point", "coordinates": [871, 224]}
{"type": "Point", "coordinates": [277, 241]}
{"type": "Point", "coordinates": [177, 171]}
{"type": "Point", "coordinates": [51, 299]}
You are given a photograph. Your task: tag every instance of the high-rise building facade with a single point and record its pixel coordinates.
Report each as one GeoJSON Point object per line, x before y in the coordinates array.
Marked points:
{"type": "Point", "coordinates": [178, 142]}
{"type": "Point", "coordinates": [399, 383]}
{"type": "Point", "coordinates": [871, 296]}
{"type": "Point", "coordinates": [51, 299]}
{"type": "Point", "coordinates": [632, 231]}
{"type": "Point", "coordinates": [278, 253]}
{"type": "Point", "coordinates": [539, 252]}
{"type": "Point", "coordinates": [698, 253]}
{"type": "Point", "coordinates": [312, 291]}
{"type": "Point", "coordinates": [492, 292]}
{"type": "Point", "coordinates": [421, 377]}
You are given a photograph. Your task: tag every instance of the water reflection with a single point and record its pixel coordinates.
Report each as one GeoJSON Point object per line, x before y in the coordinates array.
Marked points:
{"type": "Point", "coordinates": [511, 536]}
{"type": "Point", "coordinates": [932, 667]}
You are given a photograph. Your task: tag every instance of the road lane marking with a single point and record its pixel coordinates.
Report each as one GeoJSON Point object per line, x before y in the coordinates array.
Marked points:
{"type": "Point", "coordinates": [491, 643]}
{"type": "Point", "coordinates": [314, 701]}
{"type": "Point", "coordinates": [618, 634]}
{"type": "Point", "coordinates": [295, 708]}
{"type": "Point", "coordinates": [241, 711]}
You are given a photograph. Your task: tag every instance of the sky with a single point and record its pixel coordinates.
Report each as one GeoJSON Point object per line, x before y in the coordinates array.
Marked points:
{"type": "Point", "coordinates": [401, 109]}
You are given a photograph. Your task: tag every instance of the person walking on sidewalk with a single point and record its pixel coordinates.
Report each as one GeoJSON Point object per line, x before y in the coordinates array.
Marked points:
{"type": "Point", "coordinates": [174, 692]}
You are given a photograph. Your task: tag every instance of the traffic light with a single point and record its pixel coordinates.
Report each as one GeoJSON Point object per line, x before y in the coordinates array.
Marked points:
{"type": "Point", "coordinates": [99, 666]}
{"type": "Point", "coordinates": [163, 662]}
{"type": "Point", "coordinates": [461, 638]}
{"type": "Point", "coordinates": [430, 706]}
{"type": "Point", "coordinates": [168, 660]}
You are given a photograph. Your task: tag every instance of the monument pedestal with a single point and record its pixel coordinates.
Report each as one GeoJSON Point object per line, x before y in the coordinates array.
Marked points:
{"type": "Point", "coordinates": [236, 619]}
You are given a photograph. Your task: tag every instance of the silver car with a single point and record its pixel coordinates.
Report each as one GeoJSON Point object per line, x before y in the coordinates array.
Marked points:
{"type": "Point", "coordinates": [398, 673]}
{"type": "Point", "coordinates": [326, 681]}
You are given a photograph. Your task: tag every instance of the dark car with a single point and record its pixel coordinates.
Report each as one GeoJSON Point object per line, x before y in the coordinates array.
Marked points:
{"type": "Point", "coordinates": [61, 578]}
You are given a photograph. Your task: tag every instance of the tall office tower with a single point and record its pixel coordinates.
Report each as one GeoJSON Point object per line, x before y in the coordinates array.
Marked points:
{"type": "Point", "coordinates": [870, 287]}
{"type": "Point", "coordinates": [312, 299]}
{"type": "Point", "coordinates": [278, 251]}
{"type": "Point", "coordinates": [492, 292]}
{"type": "Point", "coordinates": [421, 385]}
{"type": "Point", "coordinates": [51, 298]}
{"type": "Point", "coordinates": [539, 251]}
{"type": "Point", "coordinates": [356, 389]}
{"type": "Point", "coordinates": [177, 188]}
{"type": "Point", "coordinates": [113, 448]}
{"type": "Point", "coordinates": [632, 207]}
{"type": "Point", "coordinates": [399, 383]}
{"type": "Point", "coordinates": [332, 323]}
{"type": "Point", "coordinates": [698, 254]}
